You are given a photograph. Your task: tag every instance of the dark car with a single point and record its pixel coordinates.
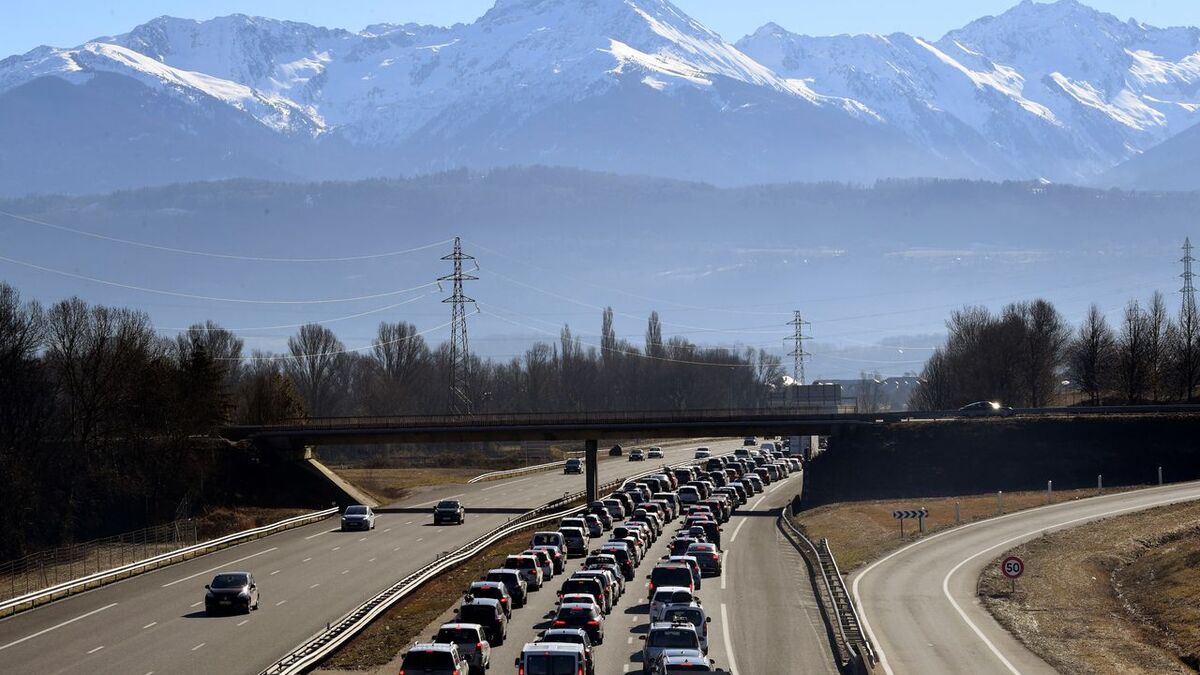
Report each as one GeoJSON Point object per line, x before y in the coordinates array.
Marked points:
{"type": "Point", "coordinates": [573, 466]}
{"type": "Point", "coordinates": [494, 590]}
{"type": "Point", "coordinates": [487, 613]}
{"type": "Point", "coordinates": [670, 574]}
{"type": "Point", "coordinates": [449, 511]}
{"type": "Point", "coordinates": [518, 589]}
{"type": "Point", "coordinates": [589, 585]}
{"type": "Point", "coordinates": [231, 592]}
{"type": "Point", "coordinates": [587, 617]}
{"type": "Point", "coordinates": [615, 451]}
{"type": "Point", "coordinates": [636, 455]}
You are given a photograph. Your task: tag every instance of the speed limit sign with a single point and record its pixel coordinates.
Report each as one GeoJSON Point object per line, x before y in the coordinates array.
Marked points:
{"type": "Point", "coordinates": [1012, 567]}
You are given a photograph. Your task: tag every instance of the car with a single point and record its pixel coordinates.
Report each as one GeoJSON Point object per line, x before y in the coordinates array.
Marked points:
{"type": "Point", "coordinates": [577, 540]}
{"type": "Point", "coordinates": [702, 453]}
{"type": "Point", "coordinates": [620, 551]}
{"type": "Point", "coordinates": [670, 595]}
{"type": "Point", "coordinates": [545, 559]}
{"type": "Point", "coordinates": [449, 511]}
{"type": "Point", "coordinates": [708, 557]}
{"type": "Point", "coordinates": [488, 613]}
{"type": "Point", "coordinates": [530, 568]}
{"type": "Point", "coordinates": [575, 636]}
{"type": "Point", "coordinates": [582, 599]}
{"type": "Point", "coordinates": [682, 662]}
{"type": "Point", "coordinates": [670, 574]}
{"type": "Point", "coordinates": [600, 510]}
{"type": "Point", "coordinates": [358, 517]}
{"type": "Point", "coordinates": [754, 481]}
{"type": "Point", "coordinates": [573, 465]}
{"type": "Point", "coordinates": [985, 409]}
{"type": "Point", "coordinates": [636, 455]}
{"type": "Point", "coordinates": [679, 545]}
{"type": "Point", "coordinates": [595, 525]}
{"type": "Point", "coordinates": [680, 638]}
{"type": "Point", "coordinates": [230, 592]}
{"type": "Point", "coordinates": [551, 658]}
{"type": "Point", "coordinates": [692, 564]}
{"type": "Point", "coordinates": [688, 494]}
{"type": "Point", "coordinates": [518, 588]}
{"type": "Point", "coordinates": [472, 642]}
{"type": "Point", "coordinates": [587, 585]}
{"type": "Point", "coordinates": [557, 558]}
{"type": "Point", "coordinates": [606, 561]}
{"type": "Point", "coordinates": [749, 440]}
{"type": "Point", "coordinates": [494, 590]}
{"type": "Point", "coordinates": [767, 447]}
{"type": "Point", "coordinates": [581, 616]}
{"type": "Point", "coordinates": [612, 587]}
{"type": "Point", "coordinates": [693, 614]}
{"type": "Point", "coordinates": [548, 538]}
{"type": "Point", "coordinates": [615, 451]}
{"type": "Point", "coordinates": [616, 508]}
{"type": "Point", "coordinates": [654, 453]}
{"type": "Point", "coordinates": [431, 658]}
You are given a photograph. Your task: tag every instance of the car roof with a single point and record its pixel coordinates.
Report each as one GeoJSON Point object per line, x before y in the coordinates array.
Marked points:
{"type": "Point", "coordinates": [552, 647]}
{"type": "Point", "coordinates": [663, 625]}
{"type": "Point", "coordinates": [505, 570]}
{"type": "Point", "coordinates": [672, 589]}
{"type": "Point", "coordinates": [482, 601]}
{"type": "Point", "coordinates": [432, 647]}
{"type": "Point", "coordinates": [458, 625]}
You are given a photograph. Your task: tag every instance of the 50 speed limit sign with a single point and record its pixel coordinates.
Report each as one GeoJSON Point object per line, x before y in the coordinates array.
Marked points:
{"type": "Point", "coordinates": [1012, 567]}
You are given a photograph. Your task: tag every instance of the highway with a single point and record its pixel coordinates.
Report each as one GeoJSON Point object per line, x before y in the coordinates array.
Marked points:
{"type": "Point", "coordinates": [155, 623]}
{"type": "Point", "coordinates": [918, 603]}
{"type": "Point", "coordinates": [765, 619]}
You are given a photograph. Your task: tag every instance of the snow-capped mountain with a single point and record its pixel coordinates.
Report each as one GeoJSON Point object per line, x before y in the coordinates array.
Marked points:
{"type": "Point", "coordinates": [1059, 90]}
{"type": "Point", "coordinates": [633, 86]}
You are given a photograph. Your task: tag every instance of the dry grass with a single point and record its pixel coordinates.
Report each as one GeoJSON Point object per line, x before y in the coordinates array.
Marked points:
{"type": "Point", "coordinates": [223, 520]}
{"type": "Point", "coordinates": [390, 485]}
{"type": "Point", "coordinates": [400, 626]}
{"type": "Point", "coordinates": [1115, 596]}
{"type": "Point", "coordinates": [859, 532]}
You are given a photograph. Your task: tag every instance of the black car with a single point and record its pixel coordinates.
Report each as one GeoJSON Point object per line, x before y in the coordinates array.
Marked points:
{"type": "Point", "coordinates": [615, 451]}
{"type": "Point", "coordinates": [231, 592]}
{"type": "Point", "coordinates": [449, 511]}
{"type": "Point", "coordinates": [587, 617]}
{"type": "Point", "coordinates": [487, 613]}
{"type": "Point", "coordinates": [495, 590]}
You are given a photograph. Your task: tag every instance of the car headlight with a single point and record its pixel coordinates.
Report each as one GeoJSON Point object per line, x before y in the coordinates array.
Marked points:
{"type": "Point", "coordinates": [209, 595]}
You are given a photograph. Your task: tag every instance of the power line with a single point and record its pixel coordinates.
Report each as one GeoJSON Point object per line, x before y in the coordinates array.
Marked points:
{"type": "Point", "coordinates": [460, 357]}
{"type": "Point", "coordinates": [322, 322]}
{"type": "Point", "coordinates": [225, 256]}
{"type": "Point", "coordinates": [191, 296]}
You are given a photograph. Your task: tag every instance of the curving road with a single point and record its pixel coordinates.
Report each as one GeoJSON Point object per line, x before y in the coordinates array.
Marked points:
{"type": "Point", "coordinates": [154, 623]}
{"type": "Point", "coordinates": [919, 606]}
{"type": "Point", "coordinates": [765, 619]}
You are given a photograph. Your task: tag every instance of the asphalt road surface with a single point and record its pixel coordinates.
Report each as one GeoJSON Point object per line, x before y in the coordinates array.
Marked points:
{"type": "Point", "coordinates": [155, 622]}
{"type": "Point", "coordinates": [919, 603]}
{"type": "Point", "coordinates": [765, 619]}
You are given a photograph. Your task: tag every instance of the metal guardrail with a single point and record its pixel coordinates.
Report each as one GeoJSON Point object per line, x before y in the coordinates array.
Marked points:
{"type": "Point", "coordinates": [847, 612]}
{"type": "Point", "coordinates": [30, 600]}
{"type": "Point", "coordinates": [811, 555]}
{"type": "Point", "coordinates": [324, 643]}
{"type": "Point", "coordinates": [509, 473]}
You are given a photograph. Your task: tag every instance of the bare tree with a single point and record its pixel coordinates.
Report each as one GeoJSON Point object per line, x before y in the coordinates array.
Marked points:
{"type": "Point", "coordinates": [1046, 338]}
{"type": "Point", "coordinates": [654, 338]}
{"type": "Point", "coordinates": [316, 356]}
{"type": "Point", "coordinates": [869, 397]}
{"type": "Point", "coordinates": [1132, 353]}
{"type": "Point", "coordinates": [1158, 329]}
{"type": "Point", "coordinates": [1092, 356]}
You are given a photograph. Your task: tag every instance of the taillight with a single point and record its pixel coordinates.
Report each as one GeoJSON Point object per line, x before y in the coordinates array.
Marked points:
{"type": "Point", "coordinates": [715, 556]}
{"type": "Point", "coordinates": [504, 601]}
{"type": "Point", "coordinates": [593, 622]}
{"type": "Point", "coordinates": [560, 622]}
{"type": "Point", "coordinates": [479, 646]}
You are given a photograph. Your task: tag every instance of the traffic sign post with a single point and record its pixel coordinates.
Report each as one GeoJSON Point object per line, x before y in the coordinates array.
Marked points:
{"type": "Point", "coordinates": [1012, 567]}
{"type": "Point", "coordinates": [919, 514]}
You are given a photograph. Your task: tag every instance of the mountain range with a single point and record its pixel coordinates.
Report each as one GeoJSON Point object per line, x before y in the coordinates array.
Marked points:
{"type": "Point", "coordinates": [1057, 91]}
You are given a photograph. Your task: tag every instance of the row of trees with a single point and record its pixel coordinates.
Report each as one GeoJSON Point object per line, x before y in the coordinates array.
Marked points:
{"type": "Point", "coordinates": [1029, 356]}
{"type": "Point", "coordinates": [103, 422]}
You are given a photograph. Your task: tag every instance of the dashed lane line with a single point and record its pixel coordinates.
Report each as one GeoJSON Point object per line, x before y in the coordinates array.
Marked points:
{"type": "Point", "coordinates": [95, 649]}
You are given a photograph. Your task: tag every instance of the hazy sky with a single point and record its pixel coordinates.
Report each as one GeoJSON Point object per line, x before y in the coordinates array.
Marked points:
{"type": "Point", "coordinates": [70, 22]}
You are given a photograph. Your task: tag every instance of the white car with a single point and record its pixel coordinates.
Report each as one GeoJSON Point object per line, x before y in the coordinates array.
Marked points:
{"type": "Point", "coordinates": [472, 642]}
{"type": "Point", "coordinates": [668, 595]}
{"type": "Point", "coordinates": [654, 453]}
{"type": "Point", "coordinates": [433, 657]}
{"type": "Point", "coordinates": [702, 453]}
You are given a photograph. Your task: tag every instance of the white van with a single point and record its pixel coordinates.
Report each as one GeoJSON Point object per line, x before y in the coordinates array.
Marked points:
{"type": "Point", "coordinates": [555, 539]}
{"type": "Point", "coordinates": [551, 658]}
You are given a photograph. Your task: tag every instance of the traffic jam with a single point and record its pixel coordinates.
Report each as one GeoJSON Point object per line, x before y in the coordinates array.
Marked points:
{"type": "Point", "coordinates": [613, 573]}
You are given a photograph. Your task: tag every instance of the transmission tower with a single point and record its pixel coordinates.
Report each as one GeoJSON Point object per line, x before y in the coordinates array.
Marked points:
{"type": "Point", "coordinates": [460, 359]}
{"type": "Point", "coordinates": [1188, 290]}
{"type": "Point", "coordinates": [798, 354]}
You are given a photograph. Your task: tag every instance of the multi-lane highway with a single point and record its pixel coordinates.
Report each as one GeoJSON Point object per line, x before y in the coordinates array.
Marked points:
{"type": "Point", "coordinates": [919, 602]}
{"type": "Point", "coordinates": [154, 623]}
{"type": "Point", "coordinates": [765, 619]}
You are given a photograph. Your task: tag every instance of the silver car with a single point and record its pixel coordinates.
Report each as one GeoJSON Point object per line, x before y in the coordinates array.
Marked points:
{"type": "Point", "coordinates": [358, 517]}
{"type": "Point", "coordinates": [472, 642]}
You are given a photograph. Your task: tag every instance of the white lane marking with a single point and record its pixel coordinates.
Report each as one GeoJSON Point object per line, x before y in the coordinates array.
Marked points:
{"type": "Point", "coordinates": [199, 646]}
{"type": "Point", "coordinates": [345, 571]}
{"type": "Point", "coordinates": [196, 604]}
{"type": "Point", "coordinates": [274, 573]}
{"type": "Point", "coordinates": [738, 529]}
{"type": "Point", "coordinates": [372, 560]}
{"type": "Point", "coordinates": [362, 539]}
{"type": "Point", "coordinates": [150, 625]}
{"type": "Point", "coordinates": [395, 549]}
{"type": "Point", "coordinates": [629, 640]}
{"type": "Point", "coordinates": [306, 560]}
{"type": "Point", "coordinates": [725, 570]}
{"type": "Point", "coordinates": [506, 484]}
{"type": "Point", "coordinates": [336, 548]}
{"type": "Point", "coordinates": [728, 643]}
{"type": "Point", "coordinates": [243, 622]}
{"type": "Point", "coordinates": [314, 536]}
{"type": "Point", "coordinates": [862, 607]}
{"type": "Point", "coordinates": [280, 603]}
{"type": "Point", "coordinates": [387, 530]}
{"type": "Point", "coordinates": [625, 668]}
{"type": "Point", "coordinates": [96, 649]}
{"type": "Point", "coordinates": [438, 500]}
{"type": "Point", "coordinates": [214, 569]}
{"type": "Point", "coordinates": [418, 539]}
{"type": "Point", "coordinates": [440, 530]}
{"type": "Point", "coordinates": [408, 522]}
{"type": "Point", "coordinates": [315, 585]}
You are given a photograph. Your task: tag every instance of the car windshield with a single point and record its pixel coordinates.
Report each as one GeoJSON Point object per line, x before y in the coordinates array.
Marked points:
{"type": "Point", "coordinates": [674, 638]}
{"type": "Point", "coordinates": [546, 539]}
{"type": "Point", "coordinates": [575, 616]}
{"type": "Point", "coordinates": [457, 635]}
{"type": "Point", "coordinates": [230, 581]}
{"type": "Point", "coordinates": [692, 616]}
{"type": "Point", "coordinates": [356, 510]}
{"type": "Point", "coordinates": [477, 613]}
{"type": "Point", "coordinates": [427, 660]}
{"type": "Point", "coordinates": [447, 505]}
{"type": "Point", "coordinates": [549, 664]}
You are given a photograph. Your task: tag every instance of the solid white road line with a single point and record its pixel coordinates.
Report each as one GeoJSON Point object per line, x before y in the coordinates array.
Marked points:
{"type": "Point", "coordinates": [199, 646]}
{"type": "Point", "coordinates": [57, 626]}
{"type": "Point", "coordinates": [345, 571]}
{"type": "Point", "coordinates": [306, 560]}
{"type": "Point", "coordinates": [96, 649]}
{"type": "Point", "coordinates": [738, 529]}
{"type": "Point", "coordinates": [243, 622]}
{"type": "Point", "coordinates": [725, 569]}
{"type": "Point", "coordinates": [273, 573]}
{"type": "Point", "coordinates": [280, 603]}
{"type": "Point", "coordinates": [315, 585]}
{"type": "Point", "coordinates": [196, 604]}
{"type": "Point", "coordinates": [336, 548]}
{"type": "Point", "coordinates": [150, 625]}
{"type": "Point", "coordinates": [728, 643]}
{"type": "Point", "coordinates": [409, 522]}
{"type": "Point", "coordinates": [214, 569]}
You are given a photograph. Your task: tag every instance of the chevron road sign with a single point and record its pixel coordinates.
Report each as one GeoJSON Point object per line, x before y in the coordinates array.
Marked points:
{"type": "Point", "coordinates": [907, 514]}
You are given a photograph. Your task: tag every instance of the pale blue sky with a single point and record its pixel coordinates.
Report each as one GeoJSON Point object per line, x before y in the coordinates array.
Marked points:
{"type": "Point", "coordinates": [25, 25]}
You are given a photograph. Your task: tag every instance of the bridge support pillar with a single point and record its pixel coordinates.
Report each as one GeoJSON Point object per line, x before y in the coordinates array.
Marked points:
{"type": "Point", "coordinates": [591, 469]}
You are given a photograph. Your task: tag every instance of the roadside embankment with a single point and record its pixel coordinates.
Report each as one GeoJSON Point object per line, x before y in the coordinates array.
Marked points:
{"type": "Point", "coordinates": [1120, 595]}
